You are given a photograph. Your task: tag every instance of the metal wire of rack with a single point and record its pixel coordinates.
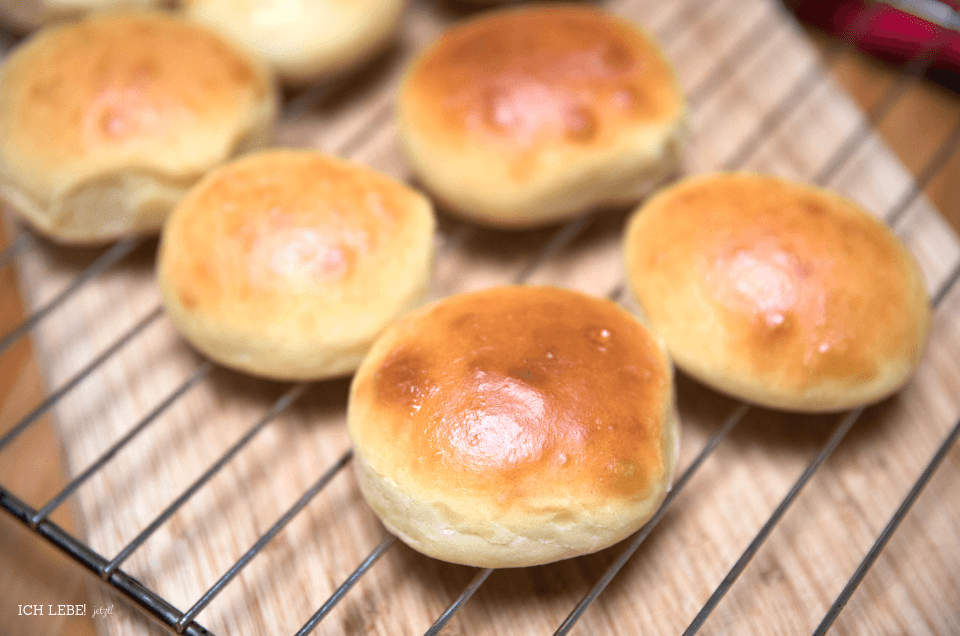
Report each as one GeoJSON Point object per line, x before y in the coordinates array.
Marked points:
{"type": "Point", "coordinates": [184, 621]}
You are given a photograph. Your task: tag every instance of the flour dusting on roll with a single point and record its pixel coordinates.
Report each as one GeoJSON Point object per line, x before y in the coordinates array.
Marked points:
{"type": "Point", "coordinates": [514, 426]}
{"type": "Point", "coordinates": [105, 123]}
{"type": "Point", "coordinates": [289, 263]}
{"type": "Point", "coordinates": [776, 292]}
{"type": "Point", "coordinates": [526, 116]}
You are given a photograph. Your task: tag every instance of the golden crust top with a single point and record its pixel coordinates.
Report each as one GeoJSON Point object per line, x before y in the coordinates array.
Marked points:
{"type": "Point", "coordinates": [122, 86]}
{"type": "Point", "coordinates": [795, 285]}
{"type": "Point", "coordinates": [285, 224]}
{"type": "Point", "coordinates": [532, 78]}
{"type": "Point", "coordinates": [517, 397]}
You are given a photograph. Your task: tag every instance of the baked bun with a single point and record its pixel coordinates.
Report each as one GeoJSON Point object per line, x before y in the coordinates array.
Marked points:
{"type": "Point", "coordinates": [514, 426]}
{"type": "Point", "coordinates": [288, 264]}
{"type": "Point", "coordinates": [105, 123]}
{"type": "Point", "coordinates": [526, 116]}
{"type": "Point", "coordinates": [26, 15]}
{"type": "Point", "coordinates": [778, 293]}
{"type": "Point", "coordinates": [304, 40]}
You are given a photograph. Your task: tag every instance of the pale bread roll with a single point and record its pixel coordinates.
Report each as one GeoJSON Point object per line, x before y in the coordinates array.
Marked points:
{"type": "Point", "coordinates": [105, 123]}
{"type": "Point", "coordinates": [288, 264]}
{"type": "Point", "coordinates": [778, 293]}
{"type": "Point", "coordinates": [27, 15]}
{"type": "Point", "coordinates": [514, 426]}
{"type": "Point", "coordinates": [304, 40]}
{"type": "Point", "coordinates": [529, 115]}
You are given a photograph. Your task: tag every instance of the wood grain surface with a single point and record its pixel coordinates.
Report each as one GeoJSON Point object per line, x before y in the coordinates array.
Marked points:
{"type": "Point", "coordinates": [913, 588]}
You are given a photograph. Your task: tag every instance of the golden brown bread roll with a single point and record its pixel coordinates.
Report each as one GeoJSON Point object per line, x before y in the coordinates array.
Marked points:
{"type": "Point", "coordinates": [288, 264]}
{"type": "Point", "coordinates": [304, 40]}
{"type": "Point", "coordinates": [526, 116]}
{"type": "Point", "coordinates": [514, 426]}
{"type": "Point", "coordinates": [26, 15]}
{"type": "Point", "coordinates": [106, 122]}
{"type": "Point", "coordinates": [779, 293]}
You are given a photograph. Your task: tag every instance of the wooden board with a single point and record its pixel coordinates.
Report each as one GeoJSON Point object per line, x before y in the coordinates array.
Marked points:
{"type": "Point", "coordinates": [915, 586]}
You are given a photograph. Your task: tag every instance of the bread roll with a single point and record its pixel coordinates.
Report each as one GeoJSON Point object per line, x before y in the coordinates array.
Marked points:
{"type": "Point", "coordinates": [526, 116]}
{"type": "Point", "coordinates": [778, 293]}
{"type": "Point", "coordinates": [514, 426]}
{"type": "Point", "coordinates": [105, 123]}
{"type": "Point", "coordinates": [304, 40]}
{"type": "Point", "coordinates": [27, 15]}
{"type": "Point", "coordinates": [288, 264]}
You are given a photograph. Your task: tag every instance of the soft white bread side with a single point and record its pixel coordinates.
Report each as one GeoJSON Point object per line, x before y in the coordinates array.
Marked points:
{"type": "Point", "coordinates": [778, 293]}
{"type": "Point", "coordinates": [514, 426]}
{"type": "Point", "coordinates": [525, 116]}
{"type": "Point", "coordinates": [288, 264]}
{"type": "Point", "coordinates": [304, 40]}
{"type": "Point", "coordinates": [105, 123]}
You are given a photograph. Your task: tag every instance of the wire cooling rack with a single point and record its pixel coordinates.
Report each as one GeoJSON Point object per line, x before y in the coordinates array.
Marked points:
{"type": "Point", "coordinates": [205, 495]}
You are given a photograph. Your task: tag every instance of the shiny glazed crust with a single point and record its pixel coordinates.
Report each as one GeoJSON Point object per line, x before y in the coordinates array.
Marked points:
{"type": "Point", "coordinates": [779, 293]}
{"type": "Point", "coordinates": [288, 264]}
{"type": "Point", "coordinates": [526, 116]}
{"type": "Point", "coordinates": [514, 426]}
{"type": "Point", "coordinates": [304, 40]}
{"type": "Point", "coordinates": [105, 123]}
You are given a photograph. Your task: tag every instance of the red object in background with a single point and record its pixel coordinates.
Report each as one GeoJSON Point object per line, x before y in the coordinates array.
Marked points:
{"type": "Point", "coordinates": [892, 34]}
